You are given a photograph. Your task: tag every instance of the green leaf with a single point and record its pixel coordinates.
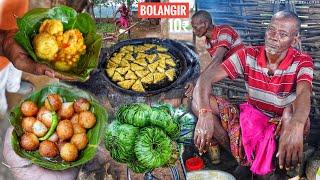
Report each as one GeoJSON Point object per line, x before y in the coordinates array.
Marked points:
{"type": "Point", "coordinates": [161, 117]}
{"type": "Point", "coordinates": [153, 147]}
{"type": "Point", "coordinates": [136, 114]}
{"type": "Point", "coordinates": [68, 94]}
{"type": "Point", "coordinates": [66, 14]}
{"type": "Point", "coordinates": [120, 140]}
{"type": "Point", "coordinates": [29, 26]}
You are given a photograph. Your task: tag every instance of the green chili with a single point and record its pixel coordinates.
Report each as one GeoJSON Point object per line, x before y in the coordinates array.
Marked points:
{"type": "Point", "coordinates": [54, 123]}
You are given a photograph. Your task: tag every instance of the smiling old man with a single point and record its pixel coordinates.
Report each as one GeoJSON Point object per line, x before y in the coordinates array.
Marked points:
{"type": "Point", "coordinates": [278, 80]}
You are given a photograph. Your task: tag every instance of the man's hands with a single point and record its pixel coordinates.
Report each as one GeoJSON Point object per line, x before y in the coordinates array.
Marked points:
{"type": "Point", "coordinates": [290, 151]}
{"type": "Point", "coordinates": [291, 146]}
{"type": "Point", "coordinates": [293, 123]}
{"type": "Point", "coordinates": [204, 130]}
{"type": "Point", "coordinates": [189, 90]}
{"type": "Point", "coordinates": [43, 69]}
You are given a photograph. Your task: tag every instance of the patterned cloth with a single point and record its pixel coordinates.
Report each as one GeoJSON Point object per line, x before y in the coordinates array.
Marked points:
{"type": "Point", "coordinates": [224, 36]}
{"type": "Point", "coordinates": [270, 94]}
{"type": "Point", "coordinates": [229, 116]}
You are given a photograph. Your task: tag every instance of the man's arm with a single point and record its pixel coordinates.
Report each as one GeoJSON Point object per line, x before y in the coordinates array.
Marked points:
{"type": "Point", "coordinates": [213, 73]}
{"type": "Point", "coordinates": [291, 140]}
{"type": "Point", "coordinates": [207, 121]}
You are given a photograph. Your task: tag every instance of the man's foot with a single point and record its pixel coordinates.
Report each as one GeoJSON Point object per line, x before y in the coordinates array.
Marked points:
{"type": "Point", "coordinates": [25, 88]}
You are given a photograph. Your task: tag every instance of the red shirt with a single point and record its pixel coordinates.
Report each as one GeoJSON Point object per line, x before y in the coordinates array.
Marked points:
{"type": "Point", "coordinates": [226, 36]}
{"type": "Point", "coordinates": [270, 94]}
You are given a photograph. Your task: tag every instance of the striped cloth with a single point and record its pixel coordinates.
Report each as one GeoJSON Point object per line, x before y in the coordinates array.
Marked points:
{"type": "Point", "coordinates": [270, 94]}
{"type": "Point", "coordinates": [224, 36]}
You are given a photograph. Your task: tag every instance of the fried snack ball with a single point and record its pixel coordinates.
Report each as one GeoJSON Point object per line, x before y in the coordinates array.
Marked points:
{"type": "Point", "coordinates": [75, 119]}
{"type": "Point", "coordinates": [80, 140]}
{"type": "Point", "coordinates": [72, 42]}
{"type": "Point", "coordinates": [69, 152]}
{"type": "Point", "coordinates": [62, 66]}
{"type": "Point", "coordinates": [45, 116]}
{"type": "Point", "coordinates": [77, 129]}
{"type": "Point", "coordinates": [65, 130]}
{"type": "Point", "coordinates": [87, 119]}
{"type": "Point", "coordinates": [27, 123]}
{"type": "Point", "coordinates": [54, 137]}
{"type": "Point", "coordinates": [53, 102]}
{"type": "Point", "coordinates": [66, 111]}
{"type": "Point", "coordinates": [51, 26]}
{"type": "Point", "coordinates": [48, 149]}
{"type": "Point", "coordinates": [60, 144]}
{"type": "Point", "coordinates": [29, 108]}
{"type": "Point", "coordinates": [39, 129]}
{"type": "Point", "coordinates": [81, 104]}
{"type": "Point", "coordinates": [29, 142]}
{"type": "Point", "coordinates": [46, 46]}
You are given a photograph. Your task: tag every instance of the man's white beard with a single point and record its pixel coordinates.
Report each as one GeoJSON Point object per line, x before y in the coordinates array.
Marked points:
{"type": "Point", "coordinates": [271, 51]}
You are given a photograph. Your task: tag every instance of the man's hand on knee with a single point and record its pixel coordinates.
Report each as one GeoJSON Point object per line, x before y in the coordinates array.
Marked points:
{"type": "Point", "coordinates": [290, 151]}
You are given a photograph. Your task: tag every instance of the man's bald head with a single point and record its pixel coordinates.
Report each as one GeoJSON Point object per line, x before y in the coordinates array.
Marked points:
{"type": "Point", "coordinates": [202, 16]}
{"type": "Point", "coordinates": [288, 16]}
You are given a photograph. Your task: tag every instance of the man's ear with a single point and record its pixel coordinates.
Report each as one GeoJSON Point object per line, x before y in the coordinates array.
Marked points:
{"type": "Point", "coordinates": [206, 24]}
{"type": "Point", "coordinates": [296, 41]}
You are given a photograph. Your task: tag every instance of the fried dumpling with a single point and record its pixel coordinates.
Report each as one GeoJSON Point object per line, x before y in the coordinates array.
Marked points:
{"type": "Point", "coordinates": [142, 73]}
{"type": "Point", "coordinates": [128, 48]}
{"type": "Point", "coordinates": [170, 74]}
{"type": "Point", "coordinates": [149, 45]}
{"type": "Point", "coordinates": [157, 77]}
{"type": "Point", "coordinates": [141, 56]}
{"type": "Point", "coordinates": [141, 62]}
{"type": "Point", "coordinates": [162, 63]}
{"type": "Point", "coordinates": [130, 75]}
{"type": "Point", "coordinates": [124, 63]}
{"type": "Point", "coordinates": [171, 62]}
{"type": "Point", "coordinates": [117, 77]}
{"type": "Point", "coordinates": [110, 71]}
{"type": "Point", "coordinates": [120, 54]}
{"type": "Point", "coordinates": [136, 67]}
{"type": "Point", "coordinates": [115, 60]}
{"type": "Point", "coordinates": [129, 57]}
{"type": "Point", "coordinates": [160, 69]}
{"type": "Point", "coordinates": [147, 79]}
{"type": "Point", "coordinates": [111, 64]}
{"type": "Point", "coordinates": [123, 70]}
{"type": "Point", "coordinates": [151, 58]}
{"type": "Point", "coordinates": [140, 48]}
{"type": "Point", "coordinates": [137, 86]}
{"type": "Point", "coordinates": [164, 55]}
{"type": "Point", "coordinates": [152, 67]}
{"type": "Point", "coordinates": [161, 49]}
{"type": "Point", "coordinates": [126, 84]}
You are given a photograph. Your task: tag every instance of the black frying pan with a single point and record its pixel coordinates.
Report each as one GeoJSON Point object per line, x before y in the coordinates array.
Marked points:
{"type": "Point", "coordinates": [185, 58]}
